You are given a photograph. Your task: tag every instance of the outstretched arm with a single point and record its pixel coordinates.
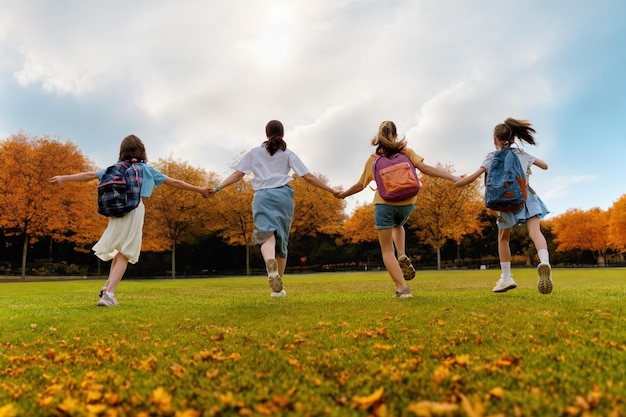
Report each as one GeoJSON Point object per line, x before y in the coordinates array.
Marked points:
{"type": "Point", "coordinates": [313, 180]}
{"type": "Point", "coordinates": [540, 163]}
{"type": "Point", "coordinates": [232, 179]}
{"type": "Point", "coordinates": [469, 178]}
{"type": "Point", "coordinates": [186, 186]}
{"type": "Point", "coordinates": [352, 190]}
{"type": "Point", "coordinates": [81, 176]}
{"type": "Point", "coordinates": [435, 172]}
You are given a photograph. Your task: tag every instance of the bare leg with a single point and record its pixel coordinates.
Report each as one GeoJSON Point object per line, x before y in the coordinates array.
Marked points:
{"type": "Point", "coordinates": [504, 251]}
{"type": "Point", "coordinates": [398, 234]}
{"type": "Point", "coordinates": [268, 248]}
{"type": "Point", "coordinates": [118, 268]}
{"type": "Point", "coordinates": [282, 265]}
{"type": "Point", "coordinates": [534, 231]}
{"type": "Point", "coordinates": [385, 238]}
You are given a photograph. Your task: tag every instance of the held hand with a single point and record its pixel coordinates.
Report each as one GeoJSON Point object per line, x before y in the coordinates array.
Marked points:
{"type": "Point", "coordinates": [58, 179]}
{"type": "Point", "coordinates": [206, 192]}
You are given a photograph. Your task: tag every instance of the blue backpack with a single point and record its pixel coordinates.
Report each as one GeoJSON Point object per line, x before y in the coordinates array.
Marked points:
{"type": "Point", "coordinates": [505, 186]}
{"type": "Point", "coordinates": [395, 177]}
{"type": "Point", "coordinates": [119, 190]}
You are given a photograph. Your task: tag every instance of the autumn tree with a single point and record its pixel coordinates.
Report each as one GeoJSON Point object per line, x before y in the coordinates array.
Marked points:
{"type": "Point", "coordinates": [617, 224]}
{"type": "Point", "coordinates": [32, 208]}
{"type": "Point", "coordinates": [316, 211]}
{"type": "Point", "coordinates": [359, 227]}
{"type": "Point", "coordinates": [175, 216]}
{"type": "Point", "coordinates": [584, 230]}
{"type": "Point", "coordinates": [316, 224]}
{"type": "Point", "coordinates": [233, 206]}
{"type": "Point", "coordinates": [444, 211]}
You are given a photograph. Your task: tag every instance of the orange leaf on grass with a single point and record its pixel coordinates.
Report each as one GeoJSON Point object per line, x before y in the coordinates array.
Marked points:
{"type": "Point", "coordinates": [178, 370]}
{"type": "Point", "coordinates": [9, 410]}
{"type": "Point", "coordinates": [365, 402]}
{"type": "Point", "coordinates": [162, 399]}
{"type": "Point", "coordinates": [431, 408]}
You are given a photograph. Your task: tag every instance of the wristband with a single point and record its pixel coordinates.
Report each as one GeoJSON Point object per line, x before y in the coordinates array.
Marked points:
{"type": "Point", "coordinates": [218, 188]}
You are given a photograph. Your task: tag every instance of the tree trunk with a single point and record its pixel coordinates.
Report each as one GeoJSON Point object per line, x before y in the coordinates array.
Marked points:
{"type": "Point", "coordinates": [174, 260]}
{"type": "Point", "coordinates": [24, 253]}
{"type": "Point", "coordinates": [247, 257]}
{"type": "Point", "coordinates": [438, 258]}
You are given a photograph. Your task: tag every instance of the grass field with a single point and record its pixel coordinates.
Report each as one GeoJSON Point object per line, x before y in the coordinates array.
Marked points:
{"type": "Point", "coordinates": [337, 345]}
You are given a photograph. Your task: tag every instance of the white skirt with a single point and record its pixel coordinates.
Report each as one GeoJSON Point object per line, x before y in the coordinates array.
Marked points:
{"type": "Point", "coordinates": [122, 235]}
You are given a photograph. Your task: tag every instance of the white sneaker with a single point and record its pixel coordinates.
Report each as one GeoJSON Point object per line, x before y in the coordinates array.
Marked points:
{"type": "Point", "coordinates": [104, 288]}
{"type": "Point", "coordinates": [403, 293]}
{"type": "Point", "coordinates": [107, 301]}
{"type": "Point", "coordinates": [544, 285]}
{"type": "Point", "coordinates": [281, 293]}
{"type": "Point", "coordinates": [505, 284]}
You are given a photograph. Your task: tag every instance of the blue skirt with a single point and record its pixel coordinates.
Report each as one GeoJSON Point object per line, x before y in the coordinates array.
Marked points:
{"type": "Point", "coordinates": [272, 210]}
{"type": "Point", "coordinates": [533, 207]}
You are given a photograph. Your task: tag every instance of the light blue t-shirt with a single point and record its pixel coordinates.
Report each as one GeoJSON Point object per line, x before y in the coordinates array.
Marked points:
{"type": "Point", "coordinates": [271, 171]}
{"type": "Point", "coordinates": [151, 178]}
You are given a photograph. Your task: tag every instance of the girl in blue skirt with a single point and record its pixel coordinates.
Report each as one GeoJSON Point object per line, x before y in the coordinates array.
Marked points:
{"type": "Point", "coordinates": [272, 206]}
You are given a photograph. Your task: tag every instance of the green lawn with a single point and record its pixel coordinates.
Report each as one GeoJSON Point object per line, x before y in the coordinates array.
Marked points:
{"type": "Point", "coordinates": [337, 345]}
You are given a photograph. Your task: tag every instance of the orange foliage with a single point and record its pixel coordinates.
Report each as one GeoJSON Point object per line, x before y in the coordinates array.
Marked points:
{"type": "Point", "coordinates": [31, 207]}
{"type": "Point", "coordinates": [584, 230]}
{"type": "Point", "coordinates": [359, 227]}
{"type": "Point", "coordinates": [444, 211]}
{"type": "Point", "coordinates": [233, 206]}
{"type": "Point", "coordinates": [316, 211]}
{"type": "Point", "coordinates": [617, 224]}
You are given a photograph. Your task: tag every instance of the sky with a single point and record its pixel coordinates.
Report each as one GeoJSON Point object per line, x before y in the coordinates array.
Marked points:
{"type": "Point", "coordinates": [197, 80]}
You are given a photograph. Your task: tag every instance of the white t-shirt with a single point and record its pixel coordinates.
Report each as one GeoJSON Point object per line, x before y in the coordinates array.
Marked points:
{"type": "Point", "coordinates": [525, 159]}
{"type": "Point", "coordinates": [270, 171]}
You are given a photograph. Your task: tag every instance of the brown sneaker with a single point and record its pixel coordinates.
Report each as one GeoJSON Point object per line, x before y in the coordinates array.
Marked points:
{"type": "Point", "coordinates": [276, 282]}
{"type": "Point", "coordinates": [408, 272]}
{"type": "Point", "coordinates": [544, 285]}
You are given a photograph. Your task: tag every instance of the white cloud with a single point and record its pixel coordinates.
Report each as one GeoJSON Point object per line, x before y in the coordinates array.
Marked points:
{"type": "Point", "coordinates": [199, 79]}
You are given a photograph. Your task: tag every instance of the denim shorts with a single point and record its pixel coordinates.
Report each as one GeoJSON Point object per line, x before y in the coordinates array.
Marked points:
{"type": "Point", "coordinates": [386, 216]}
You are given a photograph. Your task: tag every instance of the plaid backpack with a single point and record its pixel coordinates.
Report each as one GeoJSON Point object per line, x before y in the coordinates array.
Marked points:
{"type": "Point", "coordinates": [505, 186]}
{"type": "Point", "coordinates": [119, 190]}
{"type": "Point", "coordinates": [395, 177]}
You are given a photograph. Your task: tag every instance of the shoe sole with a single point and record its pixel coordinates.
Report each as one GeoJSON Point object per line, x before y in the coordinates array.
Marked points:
{"type": "Point", "coordinates": [544, 285]}
{"type": "Point", "coordinates": [505, 289]}
{"type": "Point", "coordinates": [275, 281]}
{"type": "Point", "coordinates": [275, 294]}
{"type": "Point", "coordinates": [408, 271]}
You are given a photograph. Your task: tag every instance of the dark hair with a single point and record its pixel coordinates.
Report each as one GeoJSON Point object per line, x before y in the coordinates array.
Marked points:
{"type": "Point", "coordinates": [512, 128]}
{"type": "Point", "coordinates": [386, 141]}
{"type": "Point", "coordinates": [274, 131]}
{"type": "Point", "coordinates": [132, 148]}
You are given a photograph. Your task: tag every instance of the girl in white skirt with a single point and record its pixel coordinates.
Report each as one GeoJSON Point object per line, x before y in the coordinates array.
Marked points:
{"type": "Point", "coordinates": [121, 241]}
{"type": "Point", "coordinates": [272, 206]}
{"type": "Point", "coordinates": [530, 213]}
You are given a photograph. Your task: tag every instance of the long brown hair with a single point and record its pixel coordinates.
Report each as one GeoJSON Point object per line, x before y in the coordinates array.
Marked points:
{"type": "Point", "coordinates": [386, 140]}
{"type": "Point", "coordinates": [274, 131]}
{"type": "Point", "coordinates": [132, 148]}
{"type": "Point", "coordinates": [512, 128]}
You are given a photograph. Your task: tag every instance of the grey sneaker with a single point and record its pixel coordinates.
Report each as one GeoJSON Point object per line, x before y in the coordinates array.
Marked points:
{"type": "Point", "coordinates": [275, 281]}
{"type": "Point", "coordinates": [403, 293]}
{"type": "Point", "coordinates": [408, 272]}
{"type": "Point", "coordinates": [107, 301]}
{"type": "Point", "coordinates": [505, 284]}
{"type": "Point", "coordinates": [544, 285]}
{"type": "Point", "coordinates": [278, 294]}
